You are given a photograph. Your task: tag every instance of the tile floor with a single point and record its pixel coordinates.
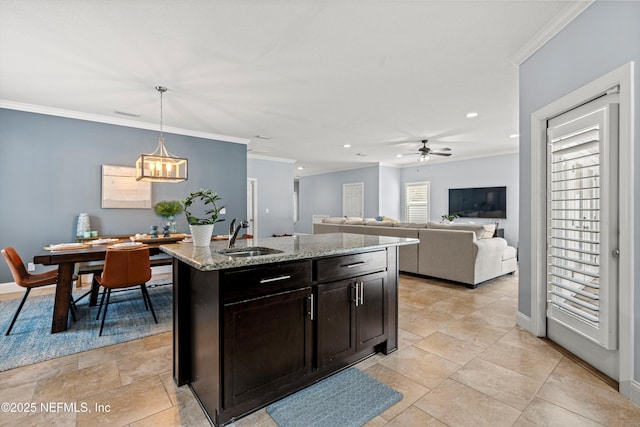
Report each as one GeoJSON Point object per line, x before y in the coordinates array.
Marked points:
{"type": "Point", "coordinates": [462, 361]}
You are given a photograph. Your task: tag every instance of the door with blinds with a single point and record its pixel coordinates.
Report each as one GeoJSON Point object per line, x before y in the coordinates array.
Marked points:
{"type": "Point", "coordinates": [353, 199]}
{"type": "Point", "coordinates": [582, 232]}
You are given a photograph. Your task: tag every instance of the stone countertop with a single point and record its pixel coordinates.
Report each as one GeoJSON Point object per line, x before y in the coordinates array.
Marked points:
{"type": "Point", "coordinates": [304, 246]}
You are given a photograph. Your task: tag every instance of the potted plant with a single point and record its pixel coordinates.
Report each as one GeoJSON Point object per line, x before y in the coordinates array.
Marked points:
{"type": "Point", "coordinates": [449, 218]}
{"type": "Point", "coordinates": [168, 209]}
{"type": "Point", "coordinates": [202, 228]}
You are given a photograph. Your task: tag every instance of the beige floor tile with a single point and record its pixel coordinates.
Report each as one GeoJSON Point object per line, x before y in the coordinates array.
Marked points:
{"type": "Point", "coordinates": [532, 362]}
{"type": "Point", "coordinates": [449, 347]}
{"type": "Point", "coordinates": [492, 319]}
{"type": "Point", "coordinates": [127, 404]}
{"type": "Point", "coordinates": [540, 412]}
{"type": "Point", "coordinates": [421, 366]}
{"type": "Point", "coordinates": [414, 417]}
{"type": "Point", "coordinates": [75, 386]}
{"type": "Point", "coordinates": [505, 385]}
{"type": "Point", "coordinates": [145, 364]}
{"type": "Point", "coordinates": [39, 371]}
{"type": "Point", "coordinates": [417, 322]}
{"type": "Point", "coordinates": [109, 353]}
{"type": "Point", "coordinates": [259, 418]}
{"type": "Point", "coordinates": [458, 405]}
{"type": "Point", "coordinates": [406, 338]}
{"type": "Point", "coordinates": [604, 405]}
{"type": "Point", "coordinates": [186, 413]}
{"type": "Point", "coordinates": [425, 298]}
{"type": "Point", "coordinates": [470, 331]}
{"type": "Point", "coordinates": [410, 389]}
{"type": "Point", "coordinates": [41, 417]}
{"type": "Point", "coordinates": [571, 369]}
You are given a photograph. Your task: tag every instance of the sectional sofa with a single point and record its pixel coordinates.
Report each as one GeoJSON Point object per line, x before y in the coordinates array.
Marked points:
{"type": "Point", "coordinates": [460, 252]}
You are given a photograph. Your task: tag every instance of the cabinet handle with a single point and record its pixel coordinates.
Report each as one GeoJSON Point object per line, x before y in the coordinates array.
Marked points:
{"type": "Point", "coordinates": [361, 293]}
{"type": "Point", "coordinates": [274, 279]}
{"type": "Point", "coordinates": [357, 284]}
{"type": "Point", "coordinates": [311, 312]}
{"type": "Point", "coordinates": [355, 264]}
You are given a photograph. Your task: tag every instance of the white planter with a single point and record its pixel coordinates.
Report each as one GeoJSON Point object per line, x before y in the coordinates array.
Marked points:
{"type": "Point", "coordinates": [201, 234]}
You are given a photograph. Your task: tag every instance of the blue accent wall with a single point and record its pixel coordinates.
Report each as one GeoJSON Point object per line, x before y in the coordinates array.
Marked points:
{"type": "Point", "coordinates": [51, 170]}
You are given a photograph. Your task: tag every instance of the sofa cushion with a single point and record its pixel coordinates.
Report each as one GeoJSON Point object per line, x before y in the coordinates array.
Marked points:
{"type": "Point", "coordinates": [379, 223]}
{"type": "Point", "coordinates": [489, 231]}
{"type": "Point", "coordinates": [333, 220]}
{"type": "Point", "coordinates": [478, 229]}
{"type": "Point", "coordinates": [354, 221]}
{"type": "Point", "coordinates": [508, 253]}
{"type": "Point", "coordinates": [410, 225]}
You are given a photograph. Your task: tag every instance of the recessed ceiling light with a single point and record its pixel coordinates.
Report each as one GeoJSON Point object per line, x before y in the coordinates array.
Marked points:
{"type": "Point", "coordinates": [300, 168]}
{"type": "Point", "coordinates": [514, 135]}
{"type": "Point", "coordinates": [263, 136]}
{"type": "Point", "coordinates": [347, 145]}
{"type": "Point", "coordinates": [471, 115]}
{"type": "Point", "coordinates": [398, 155]}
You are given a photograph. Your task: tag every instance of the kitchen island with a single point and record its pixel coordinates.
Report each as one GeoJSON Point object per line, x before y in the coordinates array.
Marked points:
{"type": "Point", "coordinates": [272, 316]}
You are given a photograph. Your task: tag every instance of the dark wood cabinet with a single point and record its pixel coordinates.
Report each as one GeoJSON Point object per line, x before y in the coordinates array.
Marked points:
{"type": "Point", "coordinates": [245, 337]}
{"type": "Point", "coordinates": [267, 344]}
{"type": "Point", "coordinates": [352, 315]}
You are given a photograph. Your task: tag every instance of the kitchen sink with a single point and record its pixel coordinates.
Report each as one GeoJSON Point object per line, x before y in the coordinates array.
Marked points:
{"type": "Point", "coordinates": [249, 251]}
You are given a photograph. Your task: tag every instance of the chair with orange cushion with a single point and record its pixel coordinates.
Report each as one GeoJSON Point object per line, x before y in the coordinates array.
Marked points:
{"type": "Point", "coordinates": [124, 268]}
{"type": "Point", "coordinates": [29, 281]}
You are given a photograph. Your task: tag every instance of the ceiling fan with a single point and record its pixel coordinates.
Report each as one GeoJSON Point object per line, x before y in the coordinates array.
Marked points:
{"type": "Point", "coordinates": [425, 152]}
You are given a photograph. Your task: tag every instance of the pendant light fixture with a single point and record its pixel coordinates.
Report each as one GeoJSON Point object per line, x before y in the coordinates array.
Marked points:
{"type": "Point", "coordinates": [161, 166]}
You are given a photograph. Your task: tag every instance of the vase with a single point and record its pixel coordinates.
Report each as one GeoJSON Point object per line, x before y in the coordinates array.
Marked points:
{"type": "Point", "coordinates": [201, 234]}
{"type": "Point", "coordinates": [83, 225]}
{"type": "Point", "coordinates": [173, 225]}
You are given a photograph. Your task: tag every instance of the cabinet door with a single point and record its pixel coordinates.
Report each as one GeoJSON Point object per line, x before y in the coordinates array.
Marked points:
{"type": "Point", "coordinates": [336, 321]}
{"type": "Point", "coordinates": [371, 310]}
{"type": "Point", "coordinates": [267, 345]}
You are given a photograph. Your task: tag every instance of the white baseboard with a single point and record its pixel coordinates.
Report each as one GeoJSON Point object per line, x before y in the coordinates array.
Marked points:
{"type": "Point", "coordinates": [631, 390]}
{"type": "Point", "coordinates": [525, 322]}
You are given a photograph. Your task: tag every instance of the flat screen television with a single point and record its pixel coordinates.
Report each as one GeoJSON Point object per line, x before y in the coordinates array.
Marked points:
{"type": "Point", "coordinates": [486, 202]}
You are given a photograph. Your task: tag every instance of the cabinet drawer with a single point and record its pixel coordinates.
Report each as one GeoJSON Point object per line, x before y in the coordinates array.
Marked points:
{"type": "Point", "coordinates": [340, 267]}
{"type": "Point", "coordinates": [264, 279]}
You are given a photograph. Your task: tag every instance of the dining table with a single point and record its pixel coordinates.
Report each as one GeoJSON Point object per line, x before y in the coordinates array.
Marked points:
{"type": "Point", "coordinates": [66, 260]}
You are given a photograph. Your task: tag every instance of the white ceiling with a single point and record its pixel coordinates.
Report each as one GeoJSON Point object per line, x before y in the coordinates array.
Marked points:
{"type": "Point", "coordinates": [313, 75]}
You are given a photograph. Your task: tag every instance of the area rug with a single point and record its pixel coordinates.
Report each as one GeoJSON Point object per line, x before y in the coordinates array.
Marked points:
{"type": "Point", "coordinates": [347, 399]}
{"type": "Point", "coordinates": [31, 340]}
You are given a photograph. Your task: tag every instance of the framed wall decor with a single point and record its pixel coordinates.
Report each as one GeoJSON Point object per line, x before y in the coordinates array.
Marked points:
{"type": "Point", "coordinates": [120, 190]}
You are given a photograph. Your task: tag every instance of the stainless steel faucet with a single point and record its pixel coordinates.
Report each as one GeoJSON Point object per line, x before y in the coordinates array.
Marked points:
{"type": "Point", "coordinates": [233, 233]}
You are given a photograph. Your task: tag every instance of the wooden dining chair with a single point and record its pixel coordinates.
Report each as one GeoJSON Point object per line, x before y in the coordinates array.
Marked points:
{"type": "Point", "coordinates": [124, 268]}
{"type": "Point", "coordinates": [29, 281]}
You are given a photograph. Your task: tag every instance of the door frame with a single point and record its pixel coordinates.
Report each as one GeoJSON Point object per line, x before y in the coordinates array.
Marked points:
{"type": "Point", "coordinates": [255, 205]}
{"type": "Point", "coordinates": [622, 76]}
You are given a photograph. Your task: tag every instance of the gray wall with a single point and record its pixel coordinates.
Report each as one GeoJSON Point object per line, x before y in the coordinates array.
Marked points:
{"type": "Point", "coordinates": [322, 194]}
{"type": "Point", "coordinates": [603, 38]}
{"type": "Point", "coordinates": [384, 195]}
{"type": "Point", "coordinates": [50, 171]}
{"type": "Point", "coordinates": [275, 193]}
{"type": "Point", "coordinates": [390, 191]}
{"type": "Point", "coordinates": [494, 171]}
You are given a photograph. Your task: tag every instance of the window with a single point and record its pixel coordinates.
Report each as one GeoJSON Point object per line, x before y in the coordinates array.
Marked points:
{"type": "Point", "coordinates": [417, 202]}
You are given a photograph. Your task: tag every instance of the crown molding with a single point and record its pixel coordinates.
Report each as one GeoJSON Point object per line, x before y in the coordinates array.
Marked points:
{"type": "Point", "coordinates": [561, 20]}
{"type": "Point", "coordinates": [50, 111]}
{"type": "Point", "coordinates": [271, 159]}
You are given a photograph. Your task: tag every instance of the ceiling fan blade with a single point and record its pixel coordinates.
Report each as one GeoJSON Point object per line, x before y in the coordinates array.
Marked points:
{"type": "Point", "coordinates": [435, 153]}
{"type": "Point", "coordinates": [442, 149]}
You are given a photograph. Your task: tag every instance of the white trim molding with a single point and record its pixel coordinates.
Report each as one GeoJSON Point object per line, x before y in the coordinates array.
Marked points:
{"type": "Point", "coordinates": [622, 76]}
{"type": "Point", "coordinates": [560, 20]}
{"type": "Point", "coordinates": [50, 111]}
{"type": "Point", "coordinates": [524, 322]}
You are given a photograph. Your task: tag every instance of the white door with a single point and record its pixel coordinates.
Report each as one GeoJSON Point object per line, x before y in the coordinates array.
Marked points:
{"type": "Point", "coordinates": [582, 232]}
{"type": "Point", "coordinates": [353, 199]}
{"type": "Point", "coordinates": [252, 206]}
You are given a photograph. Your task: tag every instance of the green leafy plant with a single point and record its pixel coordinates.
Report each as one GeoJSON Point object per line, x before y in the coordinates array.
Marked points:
{"type": "Point", "coordinates": [167, 208]}
{"type": "Point", "coordinates": [450, 217]}
{"type": "Point", "coordinates": [208, 197]}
